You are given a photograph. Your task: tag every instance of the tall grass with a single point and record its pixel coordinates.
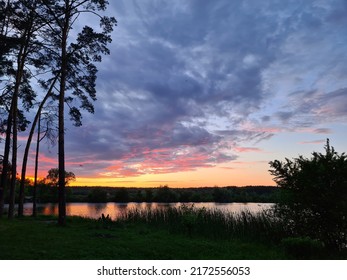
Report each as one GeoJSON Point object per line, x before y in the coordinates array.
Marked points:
{"type": "Point", "coordinates": [211, 223]}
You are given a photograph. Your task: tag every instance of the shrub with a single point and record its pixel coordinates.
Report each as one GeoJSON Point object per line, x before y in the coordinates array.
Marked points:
{"type": "Point", "coordinates": [302, 247]}
{"type": "Point", "coordinates": [314, 196]}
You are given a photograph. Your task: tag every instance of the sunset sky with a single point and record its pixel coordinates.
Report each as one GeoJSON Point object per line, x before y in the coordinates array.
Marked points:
{"type": "Point", "coordinates": [203, 93]}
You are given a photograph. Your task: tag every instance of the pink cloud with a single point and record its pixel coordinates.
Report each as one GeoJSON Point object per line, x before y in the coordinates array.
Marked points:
{"type": "Point", "coordinates": [164, 160]}
{"type": "Point", "coordinates": [247, 149]}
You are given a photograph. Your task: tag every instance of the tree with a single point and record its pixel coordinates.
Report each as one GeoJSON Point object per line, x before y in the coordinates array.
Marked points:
{"type": "Point", "coordinates": [18, 35]}
{"type": "Point", "coordinates": [121, 195]}
{"type": "Point", "coordinates": [1, 167]}
{"type": "Point", "coordinates": [314, 196]}
{"type": "Point", "coordinates": [75, 63]}
{"type": "Point", "coordinates": [53, 177]}
{"type": "Point", "coordinates": [165, 194]}
{"type": "Point", "coordinates": [97, 196]}
{"type": "Point", "coordinates": [48, 131]}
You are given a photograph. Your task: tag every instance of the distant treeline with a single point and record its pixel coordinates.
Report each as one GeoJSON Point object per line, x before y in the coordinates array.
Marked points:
{"type": "Point", "coordinates": [160, 194]}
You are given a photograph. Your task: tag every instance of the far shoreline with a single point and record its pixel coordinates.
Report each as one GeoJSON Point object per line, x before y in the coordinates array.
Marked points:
{"type": "Point", "coordinates": [230, 194]}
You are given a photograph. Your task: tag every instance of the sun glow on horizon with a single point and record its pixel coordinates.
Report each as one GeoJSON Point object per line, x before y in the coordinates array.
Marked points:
{"type": "Point", "coordinates": [203, 177]}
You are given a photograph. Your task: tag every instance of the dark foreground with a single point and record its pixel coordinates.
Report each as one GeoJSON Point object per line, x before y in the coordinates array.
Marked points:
{"type": "Point", "coordinates": [42, 238]}
{"type": "Point", "coordinates": [89, 239]}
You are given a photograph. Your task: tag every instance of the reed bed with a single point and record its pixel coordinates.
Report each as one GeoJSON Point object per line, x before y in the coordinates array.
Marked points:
{"type": "Point", "coordinates": [211, 223]}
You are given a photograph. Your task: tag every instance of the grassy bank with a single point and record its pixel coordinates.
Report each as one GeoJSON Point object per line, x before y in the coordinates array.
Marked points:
{"type": "Point", "coordinates": [89, 239]}
{"type": "Point", "coordinates": [174, 233]}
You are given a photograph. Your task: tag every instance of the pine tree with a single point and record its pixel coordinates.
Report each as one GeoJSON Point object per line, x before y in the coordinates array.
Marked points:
{"type": "Point", "coordinates": [75, 63]}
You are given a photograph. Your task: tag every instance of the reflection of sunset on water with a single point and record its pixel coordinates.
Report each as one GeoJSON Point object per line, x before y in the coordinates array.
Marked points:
{"type": "Point", "coordinates": [115, 210]}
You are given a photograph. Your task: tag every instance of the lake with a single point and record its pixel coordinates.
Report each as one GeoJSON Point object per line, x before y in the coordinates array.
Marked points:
{"type": "Point", "coordinates": [95, 210]}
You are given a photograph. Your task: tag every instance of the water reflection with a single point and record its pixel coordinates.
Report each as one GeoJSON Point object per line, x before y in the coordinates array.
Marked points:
{"type": "Point", "coordinates": [115, 210]}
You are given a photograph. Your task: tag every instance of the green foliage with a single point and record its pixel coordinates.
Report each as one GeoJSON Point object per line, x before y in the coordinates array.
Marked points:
{"type": "Point", "coordinates": [30, 239]}
{"type": "Point", "coordinates": [121, 195]}
{"type": "Point", "coordinates": [314, 197]}
{"type": "Point", "coordinates": [1, 167]}
{"type": "Point", "coordinates": [97, 196]}
{"type": "Point", "coordinates": [148, 195]}
{"type": "Point", "coordinates": [165, 194]}
{"type": "Point", "coordinates": [221, 195]}
{"type": "Point", "coordinates": [302, 247]}
{"type": "Point", "coordinates": [211, 223]}
{"type": "Point", "coordinates": [46, 193]}
{"type": "Point", "coordinates": [234, 194]}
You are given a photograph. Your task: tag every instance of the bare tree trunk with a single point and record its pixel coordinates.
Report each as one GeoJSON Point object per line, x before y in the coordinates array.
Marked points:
{"type": "Point", "coordinates": [5, 163]}
{"type": "Point", "coordinates": [22, 55]}
{"type": "Point", "coordinates": [27, 147]}
{"type": "Point", "coordinates": [61, 161]}
{"type": "Point", "coordinates": [61, 126]}
{"type": "Point", "coordinates": [14, 160]}
{"type": "Point", "coordinates": [36, 166]}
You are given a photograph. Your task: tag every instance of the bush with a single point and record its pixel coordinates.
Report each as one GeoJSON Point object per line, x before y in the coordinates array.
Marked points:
{"type": "Point", "coordinates": [302, 247]}
{"type": "Point", "coordinates": [314, 196]}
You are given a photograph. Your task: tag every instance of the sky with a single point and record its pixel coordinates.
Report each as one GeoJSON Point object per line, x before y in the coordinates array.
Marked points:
{"type": "Point", "coordinates": [205, 93]}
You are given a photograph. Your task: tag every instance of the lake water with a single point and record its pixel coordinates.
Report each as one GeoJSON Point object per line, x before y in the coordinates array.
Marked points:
{"type": "Point", "coordinates": [95, 210]}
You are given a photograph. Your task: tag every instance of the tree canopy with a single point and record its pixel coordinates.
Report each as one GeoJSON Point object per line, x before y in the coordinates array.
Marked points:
{"type": "Point", "coordinates": [314, 195]}
{"type": "Point", "coordinates": [53, 177]}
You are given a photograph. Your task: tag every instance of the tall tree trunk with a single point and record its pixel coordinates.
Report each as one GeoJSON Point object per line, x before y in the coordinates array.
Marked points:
{"type": "Point", "coordinates": [5, 162]}
{"type": "Point", "coordinates": [14, 121]}
{"type": "Point", "coordinates": [61, 126]}
{"type": "Point", "coordinates": [61, 159]}
{"type": "Point", "coordinates": [22, 55]}
{"type": "Point", "coordinates": [36, 166]}
{"type": "Point", "coordinates": [27, 147]}
{"type": "Point", "coordinates": [14, 161]}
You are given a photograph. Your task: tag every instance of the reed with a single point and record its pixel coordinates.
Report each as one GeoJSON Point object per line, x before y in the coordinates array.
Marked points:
{"type": "Point", "coordinates": [193, 221]}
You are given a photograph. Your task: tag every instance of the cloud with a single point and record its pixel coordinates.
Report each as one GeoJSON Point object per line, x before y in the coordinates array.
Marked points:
{"type": "Point", "coordinates": [247, 149]}
{"type": "Point", "coordinates": [285, 116]}
{"type": "Point", "coordinates": [323, 131]}
{"type": "Point", "coordinates": [314, 142]}
{"type": "Point", "coordinates": [190, 84]}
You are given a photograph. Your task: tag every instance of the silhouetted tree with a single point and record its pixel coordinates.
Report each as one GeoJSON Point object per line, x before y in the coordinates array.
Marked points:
{"type": "Point", "coordinates": [97, 196]}
{"type": "Point", "coordinates": [75, 63]}
{"type": "Point", "coordinates": [20, 21]}
{"type": "Point", "coordinates": [165, 194]}
{"type": "Point", "coordinates": [148, 195]}
{"type": "Point", "coordinates": [314, 195]}
{"type": "Point", "coordinates": [48, 131]}
{"type": "Point", "coordinates": [121, 195]}
{"type": "Point", "coordinates": [53, 177]}
{"type": "Point", "coordinates": [1, 167]}
{"type": "Point", "coordinates": [220, 195]}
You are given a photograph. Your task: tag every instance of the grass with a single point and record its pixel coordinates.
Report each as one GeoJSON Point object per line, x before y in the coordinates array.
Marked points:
{"type": "Point", "coordinates": [174, 233]}
{"type": "Point", "coordinates": [29, 238]}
